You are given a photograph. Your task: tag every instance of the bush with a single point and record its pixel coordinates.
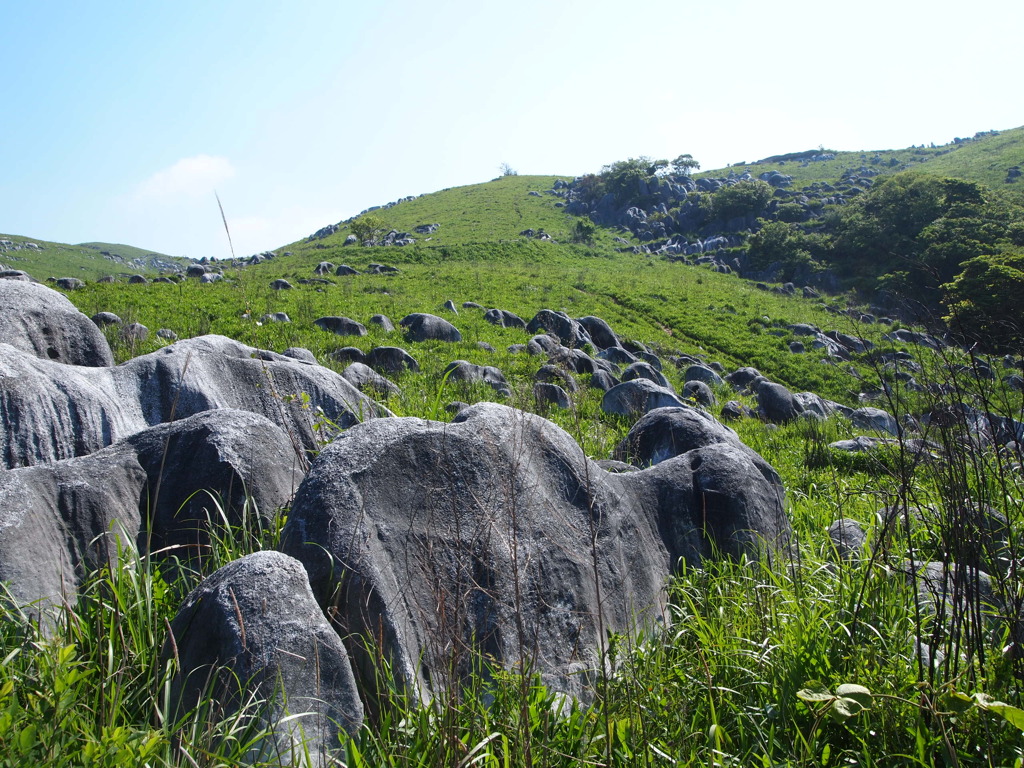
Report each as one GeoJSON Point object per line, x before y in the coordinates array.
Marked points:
{"type": "Point", "coordinates": [744, 198]}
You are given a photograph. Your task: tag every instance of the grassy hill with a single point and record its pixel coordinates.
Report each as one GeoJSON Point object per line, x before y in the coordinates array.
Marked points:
{"type": "Point", "coordinates": [493, 211]}
{"type": "Point", "coordinates": [750, 645]}
{"type": "Point", "coordinates": [813, 659]}
{"type": "Point", "coordinates": [87, 261]}
{"type": "Point", "coordinates": [984, 159]}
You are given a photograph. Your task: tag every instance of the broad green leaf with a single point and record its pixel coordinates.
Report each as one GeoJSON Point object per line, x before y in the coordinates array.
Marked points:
{"type": "Point", "coordinates": [814, 692]}
{"type": "Point", "coordinates": [1013, 715]}
{"type": "Point", "coordinates": [27, 738]}
{"type": "Point", "coordinates": [858, 693]}
{"type": "Point", "coordinates": [844, 708]}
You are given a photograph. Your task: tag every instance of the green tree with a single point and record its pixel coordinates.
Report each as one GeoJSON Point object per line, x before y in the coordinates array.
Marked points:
{"type": "Point", "coordinates": [913, 232]}
{"type": "Point", "coordinates": [985, 302]}
{"type": "Point", "coordinates": [785, 245]}
{"type": "Point", "coordinates": [684, 165]}
{"type": "Point", "coordinates": [744, 198]}
{"type": "Point", "coordinates": [369, 228]}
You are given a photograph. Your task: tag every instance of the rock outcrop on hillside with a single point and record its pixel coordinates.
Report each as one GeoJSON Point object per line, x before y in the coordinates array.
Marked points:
{"type": "Point", "coordinates": [64, 411]}
{"type": "Point", "coordinates": [496, 535]}
{"type": "Point", "coordinates": [253, 630]}
{"type": "Point", "coordinates": [43, 322]}
{"type": "Point", "coordinates": [162, 489]}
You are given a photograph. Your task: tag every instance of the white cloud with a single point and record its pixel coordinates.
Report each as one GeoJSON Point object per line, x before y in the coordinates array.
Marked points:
{"type": "Point", "coordinates": [189, 177]}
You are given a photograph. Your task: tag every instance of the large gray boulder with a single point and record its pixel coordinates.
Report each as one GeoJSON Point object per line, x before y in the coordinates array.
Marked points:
{"type": "Point", "coordinates": [644, 370]}
{"type": "Point", "coordinates": [365, 379]}
{"type": "Point", "coordinates": [819, 406]}
{"type": "Point", "coordinates": [60, 521]}
{"type": "Point", "coordinates": [703, 374]}
{"type": "Point", "coordinates": [43, 322]}
{"type": "Point", "coordinates": [161, 490]}
{"type": "Point", "coordinates": [391, 360]}
{"type": "Point", "coordinates": [744, 379]}
{"type": "Point", "coordinates": [632, 398]}
{"type": "Point", "coordinates": [617, 356]}
{"type": "Point", "coordinates": [664, 433]}
{"type": "Point", "coordinates": [599, 331]}
{"type": "Point", "coordinates": [224, 465]}
{"type": "Point", "coordinates": [65, 411]}
{"type": "Point", "coordinates": [699, 392]}
{"type": "Point", "coordinates": [253, 630]}
{"type": "Point", "coordinates": [568, 331]}
{"type": "Point", "coordinates": [382, 321]}
{"type": "Point", "coordinates": [546, 393]}
{"type": "Point", "coordinates": [504, 319]}
{"type": "Point", "coordinates": [461, 370]}
{"type": "Point", "coordinates": [495, 540]}
{"type": "Point", "coordinates": [875, 420]}
{"type": "Point", "coordinates": [342, 326]}
{"type": "Point", "coordinates": [775, 403]}
{"type": "Point", "coordinates": [420, 326]}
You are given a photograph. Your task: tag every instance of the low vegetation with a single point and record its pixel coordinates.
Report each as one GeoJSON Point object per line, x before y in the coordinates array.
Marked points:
{"type": "Point", "coordinates": [830, 654]}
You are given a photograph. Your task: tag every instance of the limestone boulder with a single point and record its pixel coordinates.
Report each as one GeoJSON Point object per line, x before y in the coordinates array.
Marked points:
{"type": "Point", "coordinates": [254, 630]}
{"type": "Point", "coordinates": [43, 322]}
{"type": "Point", "coordinates": [495, 538]}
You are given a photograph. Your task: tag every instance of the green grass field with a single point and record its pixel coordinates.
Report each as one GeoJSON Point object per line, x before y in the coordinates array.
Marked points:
{"type": "Point", "coordinates": [802, 659]}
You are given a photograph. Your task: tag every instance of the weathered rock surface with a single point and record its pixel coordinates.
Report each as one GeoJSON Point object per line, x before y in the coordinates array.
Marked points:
{"type": "Point", "coordinates": [631, 398]}
{"type": "Point", "coordinates": [154, 490]}
{"type": "Point", "coordinates": [703, 374]}
{"type": "Point", "coordinates": [63, 520]}
{"type": "Point", "coordinates": [301, 354]}
{"type": "Point", "coordinates": [644, 370]}
{"type": "Point", "coordinates": [391, 360]}
{"type": "Point", "coordinates": [342, 326]}
{"type": "Point", "coordinates": [52, 411]}
{"type": "Point", "coordinates": [420, 326]}
{"type": "Point", "coordinates": [224, 464]}
{"type": "Point", "coordinates": [699, 392]}
{"type": "Point", "coordinates": [253, 628]}
{"type": "Point", "coordinates": [775, 403]}
{"type": "Point", "coordinates": [383, 322]}
{"type": "Point", "coordinates": [546, 393]}
{"type": "Point", "coordinates": [364, 378]}
{"type": "Point", "coordinates": [558, 324]}
{"type": "Point", "coordinates": [461, 370]}
{"type": "Point", "coordinates": [102, 319]}
{"type": "Point", "coordinates": [496, 535]}
{"type": "Point", "coordinates": [876, 420]}
{"type": "Point", "coordinates": [601, 334]}
{"type": "Point", "coordinates": [504, 319]}
{"type": "Point", "coordinates": [44, 323]}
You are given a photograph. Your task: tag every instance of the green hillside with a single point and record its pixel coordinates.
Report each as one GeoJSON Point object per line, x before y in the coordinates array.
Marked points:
{"type": "Point", "coordinates": [86, 261]}
{"type": "Point", "coordinates": [493, 211]}
{"type": "Point", "coordinates": [984, 159]}
{"type": "Point", "coordinates": [904, 648]}
{"type": "Point", "coordinates": [129, 255]}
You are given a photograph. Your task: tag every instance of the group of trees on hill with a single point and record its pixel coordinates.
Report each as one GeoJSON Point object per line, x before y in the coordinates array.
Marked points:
{"type": "Point", "coordinates": [941, 242]}
{"type": "Point", "coordinates": [948, 244]}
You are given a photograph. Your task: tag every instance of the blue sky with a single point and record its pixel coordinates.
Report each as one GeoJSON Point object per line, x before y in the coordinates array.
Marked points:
{"type": "Point", "coordinates": [120, 120]}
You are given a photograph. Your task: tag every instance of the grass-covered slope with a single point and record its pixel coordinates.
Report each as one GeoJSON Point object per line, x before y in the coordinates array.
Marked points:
{"type": "Point", "coordinates": [675, 308]}
{"type": "Point", "coordinates": [87, 261]}
{"type": "Point", "coordinates": [985, 159]}
{"type": "Point", "coordinates": [809, 660]}
{"type": "Point", "coordinates": [748, 667]}
{"type": "Point", "coordinates": [494, 211]}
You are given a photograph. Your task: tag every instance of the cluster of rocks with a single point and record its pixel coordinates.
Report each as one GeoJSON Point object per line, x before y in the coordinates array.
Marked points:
{"type": "Point", "coordinates": [667, 207]}
{"type": "Point", "coordinates": [13, 246]}
{"type": "Point", "coordinates": [430, 545]}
